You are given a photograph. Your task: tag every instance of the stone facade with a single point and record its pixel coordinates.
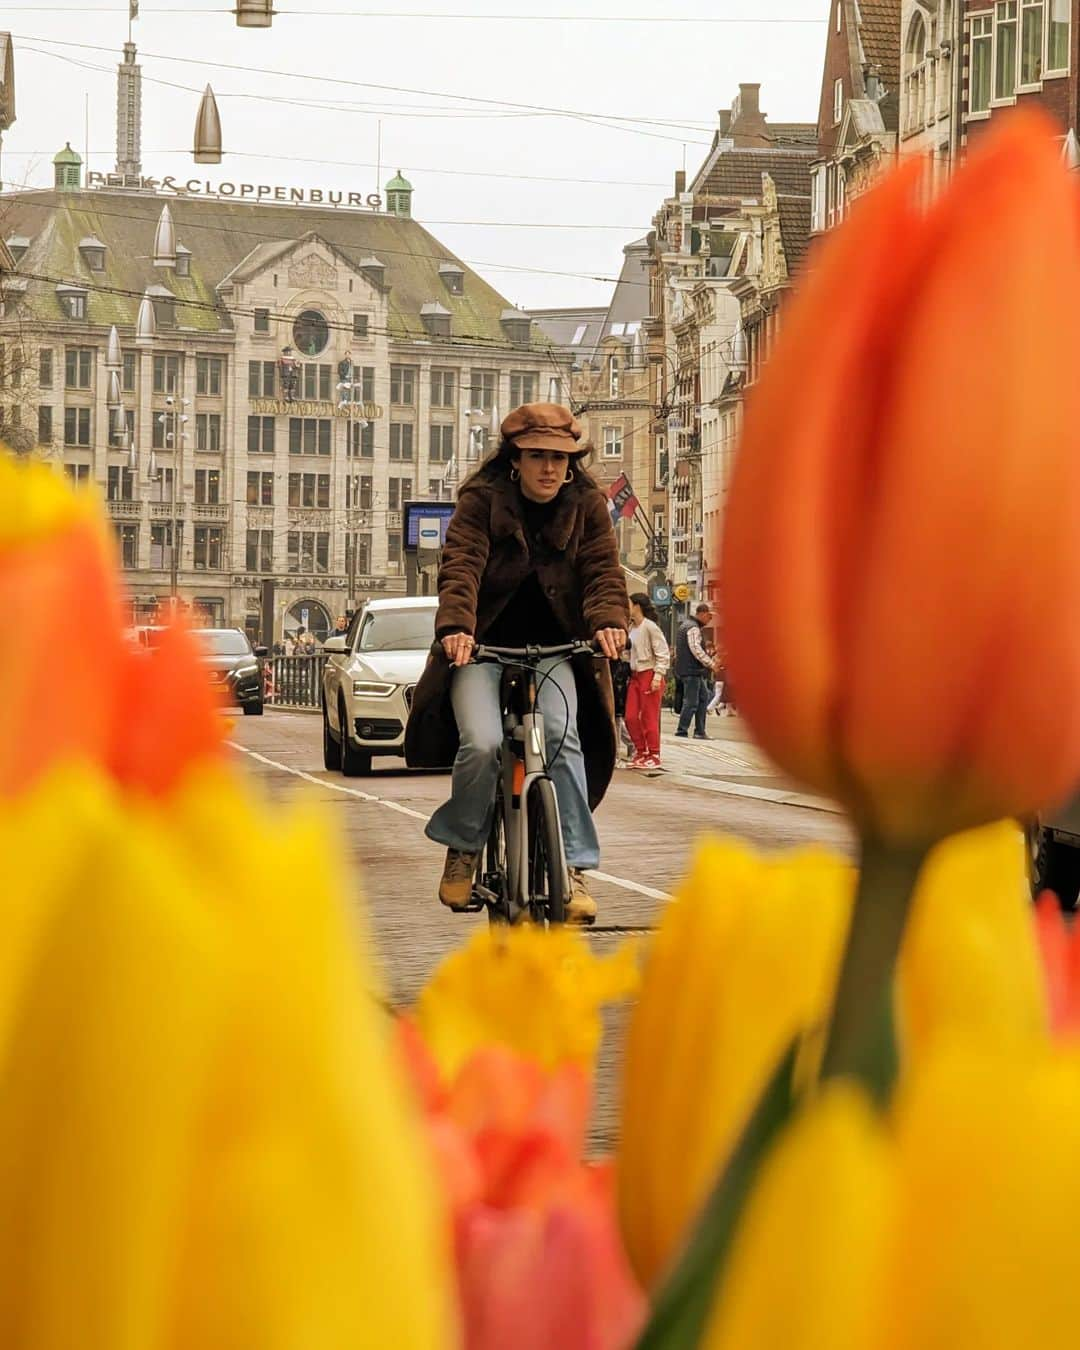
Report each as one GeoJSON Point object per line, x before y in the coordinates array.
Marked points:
{"type": "Point", "coordinates": [289, 466]}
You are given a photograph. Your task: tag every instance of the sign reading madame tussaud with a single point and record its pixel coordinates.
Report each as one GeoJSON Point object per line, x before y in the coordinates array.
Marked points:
{"type": "Point", "coordinates": [259, 192]}
{"type": "Point", "coordinates": [280, 407]}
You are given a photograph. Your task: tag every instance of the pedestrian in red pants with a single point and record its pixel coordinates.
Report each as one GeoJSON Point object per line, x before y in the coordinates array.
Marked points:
{"type": "Point", "coordinates": [649, 660]}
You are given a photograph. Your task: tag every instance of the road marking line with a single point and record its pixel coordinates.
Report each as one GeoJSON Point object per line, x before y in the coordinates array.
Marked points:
{"type": "Point", "coordinates": [621, 882]}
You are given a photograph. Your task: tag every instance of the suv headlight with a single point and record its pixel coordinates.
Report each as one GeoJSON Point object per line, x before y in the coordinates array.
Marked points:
{"type": "Point", "coordinates": [246, 670]}
{"type": "Point", "coordinates": [372, 689]}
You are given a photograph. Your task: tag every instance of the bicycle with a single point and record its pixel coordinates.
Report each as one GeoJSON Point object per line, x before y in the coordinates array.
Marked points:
{"type": "Point", "coordinates": [522, 871]}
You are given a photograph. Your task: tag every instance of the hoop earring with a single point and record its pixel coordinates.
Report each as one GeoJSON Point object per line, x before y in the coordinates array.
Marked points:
{"type": "Point", "coordinates": [514, 474]}
{"type": "Point", "coordinates": [569, 476]}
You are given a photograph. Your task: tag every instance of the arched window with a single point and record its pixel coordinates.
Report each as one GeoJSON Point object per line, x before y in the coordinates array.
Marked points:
{"type": "Point", "coordinates": [915, 75]}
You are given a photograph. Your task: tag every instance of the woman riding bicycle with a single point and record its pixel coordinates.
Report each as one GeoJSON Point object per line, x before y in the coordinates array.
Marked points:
{"type": "Point", "coordinates": [530, 559]}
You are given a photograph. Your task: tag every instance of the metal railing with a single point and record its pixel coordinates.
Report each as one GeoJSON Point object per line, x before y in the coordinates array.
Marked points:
{"type": "Point", "coordinates": [296, 680]}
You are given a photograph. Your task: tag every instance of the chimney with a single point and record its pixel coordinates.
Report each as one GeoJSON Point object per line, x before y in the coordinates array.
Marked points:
{"type": "Point", "coordinates": [680, 182]}
{"type": "Point", "coordinates": [749, 100]}
{"type": "Point", "coordinates": [873, 83]}
{"type": "Point", "coordinates": [748, 127]}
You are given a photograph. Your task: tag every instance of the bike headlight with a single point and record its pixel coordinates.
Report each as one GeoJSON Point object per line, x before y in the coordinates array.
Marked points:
{"type": "Point", "coordinates": [372, 689]}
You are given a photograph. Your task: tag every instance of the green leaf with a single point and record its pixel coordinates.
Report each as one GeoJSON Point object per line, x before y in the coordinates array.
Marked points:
{"type": "Point", "coordinates": [683, 1304]}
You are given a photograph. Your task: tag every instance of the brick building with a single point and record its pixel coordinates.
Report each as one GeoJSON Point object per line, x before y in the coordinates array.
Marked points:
{"type": "Point", "coordinates": [1018, 52]}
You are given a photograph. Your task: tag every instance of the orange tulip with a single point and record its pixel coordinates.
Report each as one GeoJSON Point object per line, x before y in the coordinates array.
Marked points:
{"type": "Point", "coordinates": [1059, 946]}
{"type": "Point", "coordinates": [901, 554]}
{"type": "Point", "coordinates": [539, 1258]}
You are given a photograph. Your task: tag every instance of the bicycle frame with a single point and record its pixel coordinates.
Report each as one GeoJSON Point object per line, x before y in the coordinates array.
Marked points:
{"type": "Point", "coordinates": [521, 770]}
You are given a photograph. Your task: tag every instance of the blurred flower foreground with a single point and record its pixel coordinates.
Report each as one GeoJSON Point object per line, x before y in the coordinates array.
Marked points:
{"type": "Point", "coordinates": [851, 1094]}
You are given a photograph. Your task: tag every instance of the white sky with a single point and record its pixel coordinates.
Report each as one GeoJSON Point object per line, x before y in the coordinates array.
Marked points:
{"type": "Point", "coordinates": [667, 71]}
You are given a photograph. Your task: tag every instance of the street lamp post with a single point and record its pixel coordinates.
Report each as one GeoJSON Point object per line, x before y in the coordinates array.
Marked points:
{"type": "Point", "coordinates": [175, 439]}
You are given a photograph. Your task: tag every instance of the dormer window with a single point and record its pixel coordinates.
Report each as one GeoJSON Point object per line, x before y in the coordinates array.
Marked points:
{"type": "Point", "coordinates": [436, 319]}
{"type": "Point", "coordinates": [453, 278]}
{"type": "Point", "coordinates": [374, 271]}
{"type": "Point", "coordinates": [93, 253]}
{"type": "Point", "coordinates": [72, 301]}
{"type": "Point", "coordinates": [164, 306]}
{"type": "Point", "coordinates": [183, 261]}
{"type": "Point", "coordinates": [17, 246]}
{"type": "Point", "coordinates": [517, 326]}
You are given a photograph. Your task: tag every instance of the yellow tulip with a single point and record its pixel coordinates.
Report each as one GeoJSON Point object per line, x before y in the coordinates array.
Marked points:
{"type": "Point", "coordinates": [745, 960]}
{"type": "Point", "coordinates": [807, 1264]}
{"type": "Point", "coordinates": [203, 1140]}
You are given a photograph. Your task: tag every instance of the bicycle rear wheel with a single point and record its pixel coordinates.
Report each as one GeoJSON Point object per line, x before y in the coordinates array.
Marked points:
{"type": "Point", "coordinates": [547, 861]}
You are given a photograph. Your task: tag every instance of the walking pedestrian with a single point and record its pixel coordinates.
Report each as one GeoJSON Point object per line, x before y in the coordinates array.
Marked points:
{"type": "Point", "coordinates": [718, 702]}
{"type": "Point", "coordinates": [620, 684]}
{"type": "Point", "coordinates": [694, 665]}
{"type": "Point", "coordinates": [650, 657]}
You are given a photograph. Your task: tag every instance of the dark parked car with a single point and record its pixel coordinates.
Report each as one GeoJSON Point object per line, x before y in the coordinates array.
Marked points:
{"type": "Point", "coordinates": [231, 661]}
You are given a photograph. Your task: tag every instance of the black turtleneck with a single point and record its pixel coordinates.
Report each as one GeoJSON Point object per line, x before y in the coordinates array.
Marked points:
{"type": "Point", "coordinates": [527, 618]}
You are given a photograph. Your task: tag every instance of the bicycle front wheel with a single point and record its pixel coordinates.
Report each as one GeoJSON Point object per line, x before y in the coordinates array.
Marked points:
{"type": "Point", "coordinates": [547, 861]}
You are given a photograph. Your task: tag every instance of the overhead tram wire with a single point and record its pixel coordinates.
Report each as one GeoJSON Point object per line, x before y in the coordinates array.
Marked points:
{"type": "Point", "coordinates": [748, 21]}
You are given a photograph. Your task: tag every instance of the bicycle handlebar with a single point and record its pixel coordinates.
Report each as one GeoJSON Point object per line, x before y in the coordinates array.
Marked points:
{"type": "Point", "coordinates": [530, 655]}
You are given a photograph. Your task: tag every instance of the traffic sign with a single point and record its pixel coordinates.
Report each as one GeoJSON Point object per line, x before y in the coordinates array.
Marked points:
{"type": "Point", "coordinates": [682, 592]}
{"type": "Point", "coordinates": [661, 595]}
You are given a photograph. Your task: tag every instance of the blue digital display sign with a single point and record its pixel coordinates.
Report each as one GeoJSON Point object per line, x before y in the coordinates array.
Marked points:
{"type": "Point", "coordinates": [414, 512]}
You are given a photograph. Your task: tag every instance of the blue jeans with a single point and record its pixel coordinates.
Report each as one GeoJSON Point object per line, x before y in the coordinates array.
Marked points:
{"type": "Point", "coordinates": [696, 692]}
{"type": "Point", "coordinates": [465, 820]}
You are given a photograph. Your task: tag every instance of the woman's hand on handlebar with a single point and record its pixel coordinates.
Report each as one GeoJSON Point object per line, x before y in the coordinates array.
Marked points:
{"type": "Point", "coordinates": [458, 648]}
{"type": "Point", "coordinates": [611, 642]}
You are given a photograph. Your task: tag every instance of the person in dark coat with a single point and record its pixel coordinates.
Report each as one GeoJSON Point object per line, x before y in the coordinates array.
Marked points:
{"type": "Point", "coordinates": [530, 558]}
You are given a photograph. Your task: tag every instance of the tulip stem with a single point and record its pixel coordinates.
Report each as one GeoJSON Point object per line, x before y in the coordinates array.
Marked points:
{"type": "Point", "coordinates": [862, 1033]}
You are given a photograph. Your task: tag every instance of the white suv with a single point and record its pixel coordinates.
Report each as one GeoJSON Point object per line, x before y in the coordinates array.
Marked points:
{"type": "Point", "coordinates": [369, 679]}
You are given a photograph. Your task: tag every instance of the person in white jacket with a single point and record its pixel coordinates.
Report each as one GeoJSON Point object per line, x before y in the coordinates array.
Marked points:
{"type": "Point", "coordinates": [650, 657]}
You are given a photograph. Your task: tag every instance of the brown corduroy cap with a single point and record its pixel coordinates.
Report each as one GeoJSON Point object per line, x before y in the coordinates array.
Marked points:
{"type": "Point", "coordinates": [543, 426]}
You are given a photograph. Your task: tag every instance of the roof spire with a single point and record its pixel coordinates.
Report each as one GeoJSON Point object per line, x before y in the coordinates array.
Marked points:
{"type": "Point", "coordinates": [129, 116]}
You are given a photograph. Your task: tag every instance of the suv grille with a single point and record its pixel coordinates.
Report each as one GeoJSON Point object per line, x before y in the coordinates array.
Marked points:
{"type": "Point", "coordinates": [410, 689]}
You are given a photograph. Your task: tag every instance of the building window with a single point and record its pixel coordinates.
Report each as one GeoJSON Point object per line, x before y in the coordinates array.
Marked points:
{"type": "Point", "coordinates": [162, 488]}
{"type": "Point", "coordinates": [310, 490]}
{"type": "Point", "coordinates": [442, 444]}
{"type": "Point", "coordinates": [482, 387]}
{"type": "Point", "coordinates": [127, 437]}
{"type": "Point", "coordinates": [915, 73]}
{"type": "Point", "coordinates": [207, 431]}
{"type": "Point", "coordinates": [44, 424]}
{"type": "Point", "coordinates": [443, 384]}
{"type": "Point", "coordinates": [120, 484]}
{"type": "Point", "coordinates": [522, 387]}
{"type": "Point", "coordinates": [261, 323]}
{"type": "Point", "coordinates": [78, 474]}
{"type": "Point", "coordinates": [207, 487]}
{"type": "Point", "coordinates": [403, 385]}
{"type": "Point", "coordinates": [316, 382]}
{"type": "Point", "coordinates": [1031, 42]}
{"type": "Point", "coordinates": [260, 488]}
{"type": "Point", "coordinates": [127, 372]}
{"type": "Point", "coordinates": [160, 544]}
{"type": "Point", "coordinates": [309, 551]}
{"type": "Point", "coordinates": [360, 325]}
{"type": "Point", "coordinates": [982, 62]}
{"type": "Point", "coordinates": [259, 551]}
{"type": "Point", "coordinates": [166, 374]}
{"type": "Point", "coordinates": [367, 383]}
{"type": "Point", "coordinates": [363, 553]}
{"type": "Point", "coordinates": [74, 303]}
{"type": "Point", "coordinates": [1057, 36]}
{"type": "Point", "coordinates": [399, 490]}
{"type": "Point", "coordinates": [393, 547]}
{"type": "Point", "coordinates": [260, 436]}
{"type": "Point", "coordinates": [311, 333]}
{"type": "Point", "coordinates": [208, 375]}
{"type": "Point", "coordinates": [837, 101]}
{"type": "Point", "coordinates": [309, 436]}
{"type": "Point", "coordinates": [612, 442]}
{"type": "Point", "coordinates": [183, 262]}
{"type": "Point", "coordinates": [127, 540]}
{"type": "Point", "coordinates": [817, 198]}
{"type": "Point", "coordinates": [362, 439]}
{"type": "Point", "coordinates": [1005, 50]}
{"type": "Point", "coordinates": [45, 368]}
{"type": "Point", "coordinates": [78, 367]}
{"type": "Point", "coordinates": [401, 440]}
{"type": "Point", "coordinates": [613, 376]}
{"type": "Point", "coordinates": [209, 547]}
{"type": "Point", "coordinates": [358, 492]}
{"type": "Point", "coordinates": [261, 379]}
{"type": "Point", "coordinates": [76, 426]}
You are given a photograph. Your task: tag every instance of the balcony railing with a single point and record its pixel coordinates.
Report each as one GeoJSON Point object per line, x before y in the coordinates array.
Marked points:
{"type": "Point", "coordinates": [129, 510]}
{"type": "Point", "coordinates": [210, 511]}
{"type": "Point", "coordinates": [163, 510]}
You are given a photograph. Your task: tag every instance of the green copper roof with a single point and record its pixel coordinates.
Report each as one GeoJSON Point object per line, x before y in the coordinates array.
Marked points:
{"type": "Point", "coordinates": [399, 184]}
{"type": "Point", "coordinates": [227, 237]}
{"type": "Point", "coordinates": [67, 156]}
